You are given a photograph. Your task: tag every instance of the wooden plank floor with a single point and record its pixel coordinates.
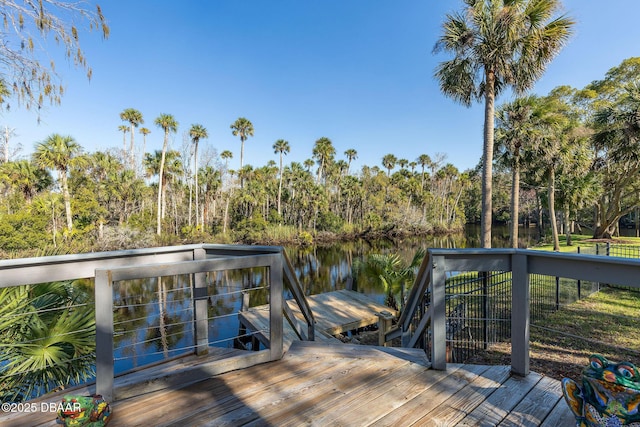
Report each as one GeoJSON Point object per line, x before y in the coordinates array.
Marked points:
{"type": "Point", "coordinates": [335, 312]}
{"type": "Point", "coordinates": [320, 384]}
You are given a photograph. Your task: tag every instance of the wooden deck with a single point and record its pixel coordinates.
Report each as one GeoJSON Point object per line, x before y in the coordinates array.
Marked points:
{"type": "Point", "coordinates": [321, 384]}
{"type": "Point", "coordinates": [343, 385]}
{"type": "Point", "coordinates": [335, 313]}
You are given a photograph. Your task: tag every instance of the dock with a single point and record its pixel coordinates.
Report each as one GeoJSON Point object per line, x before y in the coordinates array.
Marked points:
{"type": "Point", "coordinates": [335, 313]}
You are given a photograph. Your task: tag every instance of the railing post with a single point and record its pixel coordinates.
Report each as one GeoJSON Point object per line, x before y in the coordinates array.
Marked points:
{"type": "Point", "coordinates": [276, 297]}
{"type": "Point", "coordinates": [438, 319]}
{"type": "Point", "coordinates": [200, 309]}
{"type": "Point", "coordinates": [519, 315]}
{"type": "Point", "coordinates": [104, 334]}
{"type": "Point", "coordinates": [579, 283]}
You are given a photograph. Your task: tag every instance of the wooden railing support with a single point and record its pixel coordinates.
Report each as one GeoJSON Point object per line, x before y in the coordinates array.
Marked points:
{"type": "Point", "coordinates": [520, 315]}
{"type": "Point", "coordinates": [438, 316]}
{"type": "Point", "coordinates": [200, 296]}
{"type": "Point", "coordinates": [385, 320]}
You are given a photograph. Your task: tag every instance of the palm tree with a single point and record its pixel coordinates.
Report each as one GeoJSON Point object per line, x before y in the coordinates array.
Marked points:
{"type": "Point", "coordinates": [244, 129]}
{"type": "Point", "coordinates": [124, 129]}
{"type": "Point", "coordinates": [226, 155]}
{"type": "Point", "coordinates": [308, 163]}
{"type": "Point", "coordinates": [144, 132]}
{"type": "Point", "coordinates": [515, 131]}
{"type": "Point", "coordinates": [389, 162]}
{"type": "Point", "coordinates": [391, 272]}
{"type": "Point", "coordinates": [59, 152]}
{"type": "Point", "coordinates": [323, 152]}
{"type": "Point", "coordinates": [280, 146]}
{"type": "Point", "coordinates": [423, 160]}
{"type": "Point", "coordinates": [497, 43]}
{"type": "Point", "coordinates": [197, 132]}
{"type": "Point", "coordinates": [168, 124]}
{"type": "Point", "coordinates": [351, 154]}
{"type": "Point", "coordinates": [134, 117]}
{"type": "Point", "coordinates": [46, 345]}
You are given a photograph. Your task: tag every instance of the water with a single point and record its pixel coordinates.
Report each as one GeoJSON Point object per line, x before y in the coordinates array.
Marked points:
{"type": "Point", "coordinates": [153, 317]}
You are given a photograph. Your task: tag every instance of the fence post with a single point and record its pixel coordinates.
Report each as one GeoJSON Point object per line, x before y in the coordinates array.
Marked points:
{"type": "Point", "coordinates": [276, 301]}
{"type": "Point", "coordinates": [608, 249]}
{"type": "Point", "coordinates": [104, 334]}
{"type": "Point", "coordinates": [200, 309]}
{"type": "Point", "coordinates": [485, 308]}
{"type": "Point", "coordinates": [438, 319]}
{"type": "Point", "coordinates": [520, 315]}
{"type": "Point", "coordinates": [579, 283]}
{"type": "Point", "coordinates": [557, 293]}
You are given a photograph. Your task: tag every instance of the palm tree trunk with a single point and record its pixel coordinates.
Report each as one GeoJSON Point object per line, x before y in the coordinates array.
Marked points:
{"type": "Point", "coordinates": [567, 224]}
{"type": "Point", "coordinates": [552, 209]}
{"type": "Point", "coordinates": [67, 198]}
{"type": "Point", "coordinates": [195, 158]}
{"type": "Point", "coordinates": [515, 203]}
{"type": "Point", "coordinates": [160, 189]}
{"type": "Point", "coordinates": [487, 160]}
{"type": "Point", "coordinates": [280, 188]}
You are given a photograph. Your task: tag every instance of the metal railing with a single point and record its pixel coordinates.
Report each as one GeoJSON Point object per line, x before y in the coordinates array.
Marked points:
{"type": "Point", "coordinates": [196, 262]}
{"type": "Point", "coordinates": [435, 308]}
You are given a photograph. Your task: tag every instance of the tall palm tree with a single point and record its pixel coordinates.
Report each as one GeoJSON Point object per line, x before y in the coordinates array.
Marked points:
{"type": "Point", "coordinates": [516, 130]}
{"type": "Point", "coordinates": [323, 152]}
{"type": "Point", "coordinates": [280, 146]}
{"type": "Point", "coordinates": [144, 132]}
{"type": "Point", "coordinates": [168, 124]}
{"type": "Point", "coordinates": [226, 155]}
{"type": "Point", "coordinates": [197, 132]}
{"type": "Point", "coordinates": [59, 152]}
{"type": "Point", "coordinates": [244, 129]}
{"type": "Point", "coordinates": [124, 129]}
{"type": "Point", "coordinates": [134, 118]}
{"type": "Point", "coordinates": [351, 154]}
{"type": "Point", "coordinates": [423, 160]}
{"type": "Point", "coordinates": [389, 162]}
{"type": "Point", "coordinates": [497, 43]}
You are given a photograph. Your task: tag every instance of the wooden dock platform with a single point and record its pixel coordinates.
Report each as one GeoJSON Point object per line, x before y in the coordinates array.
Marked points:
{"type": "Point", "coordinates": [323, 384]}
{"type": "Point", "coordinates": [335, 313]}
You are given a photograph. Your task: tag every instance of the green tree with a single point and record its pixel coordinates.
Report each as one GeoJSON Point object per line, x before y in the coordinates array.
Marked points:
{"type": "Point", "coordinates": [168, 124]}
{"type": "Point", "coordinates": [244, 129]}
{"type": "Point", "coordinates": [323, 152]}
{"type": "Point", "coordinates": [197, 132]}
{"type": "Point", "coordinates": [617, 141]}
{"type": "Point", "coordinates": [351, 154]}
{"type": "Point", "coordinates": [515, 131]}
{"type": "Point", "coordinates": [393, 274]}
{"type": "Point", "coordinates": [496, 44]}
{"type": "Point", "coordinates": [134, 118]}
{"type": "Point", "coordinates": [58, 152]}
{"type": "Point", "coordinates": [389, 162]}
{"type": "Point", "coordinates": [282, 147]}
{"type": "Point", "coordinates": [423, 160]}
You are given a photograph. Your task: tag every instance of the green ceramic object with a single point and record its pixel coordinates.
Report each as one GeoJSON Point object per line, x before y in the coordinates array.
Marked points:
{"type": "Point", "coordinates": [609, 395]}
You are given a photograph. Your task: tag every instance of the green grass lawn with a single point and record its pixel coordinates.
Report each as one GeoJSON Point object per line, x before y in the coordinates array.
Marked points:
{"type": "Point", "coordinates": [584, 241]}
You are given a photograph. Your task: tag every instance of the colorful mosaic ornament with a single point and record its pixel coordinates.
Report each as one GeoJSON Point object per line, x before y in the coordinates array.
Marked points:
{"type": "Point", "coordinates": [84, 411]}
{"type": "Point", "coordinates": [609, 395]}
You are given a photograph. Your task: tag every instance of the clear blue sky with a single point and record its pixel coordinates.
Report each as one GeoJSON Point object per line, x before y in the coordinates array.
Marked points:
{"type": "Point", "coordinates": [359, 72]}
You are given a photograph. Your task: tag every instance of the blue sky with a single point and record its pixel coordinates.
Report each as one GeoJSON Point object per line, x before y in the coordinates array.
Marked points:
{"type": "Point", "coordinates": [359, 72]}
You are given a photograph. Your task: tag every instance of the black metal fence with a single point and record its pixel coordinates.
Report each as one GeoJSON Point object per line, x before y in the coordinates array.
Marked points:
{"type": "Point", "coordinates": [478, 304]}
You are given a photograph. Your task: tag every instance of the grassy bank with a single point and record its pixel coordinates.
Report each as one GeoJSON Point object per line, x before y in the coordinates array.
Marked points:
{"type": "Point", "coordinates": [585, 241]}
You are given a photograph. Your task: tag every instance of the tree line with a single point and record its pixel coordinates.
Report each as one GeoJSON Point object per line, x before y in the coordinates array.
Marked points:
{"type": "Point", "coordinates": [571, 155]}
{"type": "Point", "coordinates": [119, 197]}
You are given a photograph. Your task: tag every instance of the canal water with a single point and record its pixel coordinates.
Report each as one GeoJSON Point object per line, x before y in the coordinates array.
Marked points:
{"type": "Point", "coordinates": [153, 317]}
